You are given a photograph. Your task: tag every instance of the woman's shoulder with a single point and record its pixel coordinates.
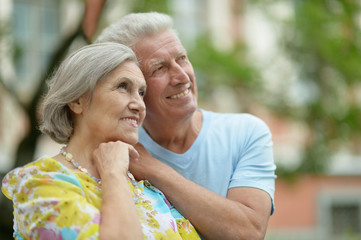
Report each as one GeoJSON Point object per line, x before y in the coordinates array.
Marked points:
{"type": "Point", "coordinates": [42, 166]}
{"type": "Point", "coordinates": [42, 171]}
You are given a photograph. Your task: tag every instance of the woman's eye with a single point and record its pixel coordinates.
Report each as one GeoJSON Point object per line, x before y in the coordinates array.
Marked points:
{"type": "Point", "coordinates": [123, 85]}
{"type": "Point", "coordinates": [142, 93]}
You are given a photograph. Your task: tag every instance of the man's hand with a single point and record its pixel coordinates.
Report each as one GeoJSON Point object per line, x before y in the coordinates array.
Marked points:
{"type": "Point", "coordinates": [144, 167]}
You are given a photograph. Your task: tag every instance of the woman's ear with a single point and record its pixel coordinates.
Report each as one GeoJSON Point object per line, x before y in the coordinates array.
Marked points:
{"type": "Point", "coordinates": [78, 105]}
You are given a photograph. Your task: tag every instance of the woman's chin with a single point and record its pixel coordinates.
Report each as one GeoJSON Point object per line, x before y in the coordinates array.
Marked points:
{"type": "Point", "coordinates": [129, 140]}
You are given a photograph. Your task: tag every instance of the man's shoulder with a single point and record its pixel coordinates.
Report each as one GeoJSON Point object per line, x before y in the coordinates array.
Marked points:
{"type": "Point", "coordinates": [231, 117]}
{"type": "Point", "coordinates": [241, 124]}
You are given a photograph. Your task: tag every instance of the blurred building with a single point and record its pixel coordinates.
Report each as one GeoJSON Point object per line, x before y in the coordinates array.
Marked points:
{"type": "Point", "coordinates": [317, 207]}
{"type": "Point", "coordinates": [310, 207]}
{"type": "Point", "coordinates": [307, 207]}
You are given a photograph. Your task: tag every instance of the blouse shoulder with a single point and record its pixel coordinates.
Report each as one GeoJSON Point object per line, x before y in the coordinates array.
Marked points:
{"type": "Point", "coordinates": [43, 170]}
{"type": "Point", "coordinates": [50, 203]}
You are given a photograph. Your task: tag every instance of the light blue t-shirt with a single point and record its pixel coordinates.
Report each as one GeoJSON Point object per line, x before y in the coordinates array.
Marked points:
{"type": "Point", "coordinates": [231, 150]}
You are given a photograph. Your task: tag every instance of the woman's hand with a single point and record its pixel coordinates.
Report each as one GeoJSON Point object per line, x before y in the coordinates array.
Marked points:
{"type": "Point", "coordinates": [118, 209]}
{"type": "Point", "coordinates": [113, 158]}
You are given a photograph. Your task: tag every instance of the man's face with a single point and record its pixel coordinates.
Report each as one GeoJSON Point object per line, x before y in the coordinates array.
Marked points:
{"type": "Point", "coordinates": [171, 84]}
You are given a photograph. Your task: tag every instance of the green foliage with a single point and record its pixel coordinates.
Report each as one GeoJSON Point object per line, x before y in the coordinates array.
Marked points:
{"type": "Point", "coordinates": [323, 43]}
{"type": "Point", "coordinates": [150, 5]}
{"type": "Point", "coordinates": [321, 40]}
{"type": "Point", "coordinates": [214, 67]}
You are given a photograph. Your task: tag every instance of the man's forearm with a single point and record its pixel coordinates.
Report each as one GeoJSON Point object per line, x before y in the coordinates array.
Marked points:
{"type": "Point", "coordinates": [214, 216]}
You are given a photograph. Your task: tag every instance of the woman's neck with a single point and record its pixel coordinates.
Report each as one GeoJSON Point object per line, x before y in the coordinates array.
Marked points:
{"type": "Point", "coordinates": [82, 153]}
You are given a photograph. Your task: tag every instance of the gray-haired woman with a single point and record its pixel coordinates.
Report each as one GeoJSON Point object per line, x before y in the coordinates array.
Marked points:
{"type": "Point", "coordinates": [94, 106]}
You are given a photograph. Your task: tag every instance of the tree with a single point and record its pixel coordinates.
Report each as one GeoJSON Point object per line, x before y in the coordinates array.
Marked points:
{"type": "Point", "coordinates": [322, 43]}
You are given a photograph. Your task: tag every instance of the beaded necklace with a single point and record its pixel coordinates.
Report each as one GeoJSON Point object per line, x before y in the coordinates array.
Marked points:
{"type": "Point", "coordinates": [69, 157]}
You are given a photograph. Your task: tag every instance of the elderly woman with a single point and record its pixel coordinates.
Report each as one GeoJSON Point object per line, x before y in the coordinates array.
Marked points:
{"type": "Point", "coordinates": [94, 106]}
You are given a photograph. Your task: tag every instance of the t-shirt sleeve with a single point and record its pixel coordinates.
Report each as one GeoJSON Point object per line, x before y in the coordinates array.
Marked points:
{"type": "Point", "coordinates": [49, 203]}
{"type": "Point", "coordinates": [255, 166]}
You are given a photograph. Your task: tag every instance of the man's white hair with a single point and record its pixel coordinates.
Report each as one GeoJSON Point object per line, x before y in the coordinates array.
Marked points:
{"type": "Point", "coordinates": [129, 29]}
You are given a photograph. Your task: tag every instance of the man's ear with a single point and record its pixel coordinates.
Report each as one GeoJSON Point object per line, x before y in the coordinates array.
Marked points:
{"type": "Point", "coordinates": [78, 105]}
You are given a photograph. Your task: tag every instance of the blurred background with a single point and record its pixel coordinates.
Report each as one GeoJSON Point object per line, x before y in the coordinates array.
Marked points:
{"type": "Point", "coordinates": [295, 64]}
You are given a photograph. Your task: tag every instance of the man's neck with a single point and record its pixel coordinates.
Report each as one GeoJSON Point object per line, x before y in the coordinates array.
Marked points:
{"type": "Point", "coordinates": [175, 135]}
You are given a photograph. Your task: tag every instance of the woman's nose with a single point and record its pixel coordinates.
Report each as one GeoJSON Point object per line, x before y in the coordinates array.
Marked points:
{"type": "Point", "coordinates": [137, 103]}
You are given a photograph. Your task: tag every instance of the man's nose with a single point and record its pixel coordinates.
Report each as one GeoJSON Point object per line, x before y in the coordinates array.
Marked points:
{"type": "Point", "coordinates": [178, 75]}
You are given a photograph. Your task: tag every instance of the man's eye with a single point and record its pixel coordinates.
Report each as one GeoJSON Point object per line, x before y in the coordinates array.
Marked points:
{"type": "Point", "coordinates": [157, 70]}
{"type": "Point", "coordinates": [123, 85]}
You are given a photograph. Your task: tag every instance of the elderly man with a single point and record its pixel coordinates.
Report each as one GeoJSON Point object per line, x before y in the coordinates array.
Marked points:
{"type": "Point", "coordinates": [217, 169]}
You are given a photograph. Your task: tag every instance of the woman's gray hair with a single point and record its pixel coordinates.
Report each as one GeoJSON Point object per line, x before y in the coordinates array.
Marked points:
{"type": "Point", "coordinates": [132, 27]}
{"type": "Point", "coordinates": [78, 75]}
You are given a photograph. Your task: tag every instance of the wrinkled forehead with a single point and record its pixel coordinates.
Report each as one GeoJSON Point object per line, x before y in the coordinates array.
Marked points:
{"type": "Point", "coordinates": [156, 47]}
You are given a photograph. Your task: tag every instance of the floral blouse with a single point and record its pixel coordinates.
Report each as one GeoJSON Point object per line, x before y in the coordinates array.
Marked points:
{"type": "Point", "coordinates": [52, 202]}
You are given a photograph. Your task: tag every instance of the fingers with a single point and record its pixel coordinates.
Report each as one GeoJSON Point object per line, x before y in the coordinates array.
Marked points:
{"type": "Point", "coordinates": [114, 157]}
{"type": "Point", "coordinates": [133, 153]}
{"type": "Point", "coordinates": [139, 146]}
{"type": "Point", "coordinates": [141, 150]}
{"type": "Point", "coordinates": [116, 151]}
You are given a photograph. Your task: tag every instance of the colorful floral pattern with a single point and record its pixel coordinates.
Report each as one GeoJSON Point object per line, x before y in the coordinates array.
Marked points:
{"type": "Point", "coordinates": [52, 202]}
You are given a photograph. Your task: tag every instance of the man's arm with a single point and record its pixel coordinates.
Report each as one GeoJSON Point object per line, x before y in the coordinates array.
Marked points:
{"type": "Point", "coordinates": [243, 214]}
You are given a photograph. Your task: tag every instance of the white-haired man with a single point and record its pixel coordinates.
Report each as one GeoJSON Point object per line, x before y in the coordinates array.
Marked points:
{"type": "Point", "coordinates": [217, 169]}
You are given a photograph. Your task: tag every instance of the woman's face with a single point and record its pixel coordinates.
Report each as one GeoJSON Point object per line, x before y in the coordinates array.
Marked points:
{"type": "Point", "coordinates": [117, 108]}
